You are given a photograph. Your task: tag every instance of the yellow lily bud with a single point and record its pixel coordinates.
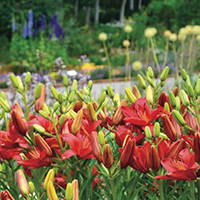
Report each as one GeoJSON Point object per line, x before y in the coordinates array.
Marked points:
{"type": "Point", "coordinates": [69, 193]}
{"type": "Point", "coordinates": [76, 125]}
{"type": "Point", "coordinates": [149, 95]}
{"type": "Point", "coordinates": [49, 177]}
{"type": "Point", "coordinates": [51, 192]}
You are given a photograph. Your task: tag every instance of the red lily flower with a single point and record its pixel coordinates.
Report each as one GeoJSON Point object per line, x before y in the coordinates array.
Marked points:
{"type": "Point", "coordinates": [183, 168]}
{"type": "Point", "coordinates": [5, 195]}
{"type": "Point", "coordinates": [140, 114]}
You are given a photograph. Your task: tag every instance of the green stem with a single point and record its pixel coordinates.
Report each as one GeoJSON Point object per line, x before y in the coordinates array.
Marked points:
{"type": "Point", "coordinates": [182, 53]}
{"type": "Point", "coordinates": [198, 187]}
{"type": "Point", "coordinates": [112, 184]}
{"type": "Point", "coordinates": [161, 190]}
{"type": "Point", "coordinates": [108, 60]}
{"type": "Point", "coordinates": [147, 57]}
{"type": "Point", "coordinates": [154, 55]}
{"type": "Point", "coordinates": [26, 105]}
{"type": "Point", "coordinates": [5, 120]}
{"type": "Point", "coordinates": [190, 53]}
{"type": "Point", "coordinates": [166, 52]}
{"type": "Point", "coordinates": [196, 109]}
{"type": "Point", "coordinates": [192, 190]}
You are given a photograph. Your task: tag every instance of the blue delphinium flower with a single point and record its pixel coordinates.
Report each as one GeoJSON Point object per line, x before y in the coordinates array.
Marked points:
{"type": "Point", "coordinates": [25, 31]}
{"type": "Point", "coordinates": [42, 23]}
{"type": "Point", "coordinates": [30, 22]}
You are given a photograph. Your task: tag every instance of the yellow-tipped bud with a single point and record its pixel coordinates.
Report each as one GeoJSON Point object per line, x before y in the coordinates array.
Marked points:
{"type": "Point", "coordinates": [148, 133]}
{"type": "Point", "coordinates": [101, 138]}
{"type": "Point", "coordinates": [164, 136]}
{"type": "Point", "coordinates": [136, 92]}
{"type": "Point", "coordinates": [164, 74]}
{"type": "Point", "coordinates": [38, 128]}
{"type": "Point", "coordinates": [27, 78]}
{"type": "Point", "coordinates": [156, 129]}
{"type": "Point", "coordinates": [184, 98]}
{"type": "Point", "coordinates": [69, 193]}
{"type": "Point", "coordinates": [149, 95]}
{"type": "Point", "coordinates": [38, 91]}
{"type": "Point", "coordinates": [4, 105]}
{"type": "Point", "coordinates": [116, 100]}
{"type": "Point", "coordinates": [76, 125]}
{"type": "Point", "coordinates": [14, 81]}
{"type": "Point", "coordinates": [91, 112]}
{"type": "Point", "coordinates": [110, 91]}
{"type": "Point", "coordinates": [31, 187]}
{"type": "Point", "coordinates": [166, 107]}
{"type": "Point", "coordinates": [51, 192]}
{"type": "Point", "coordinates": [49, 177]}
{"type": "Point", "coordinates": [19, 80]}
{"type": "Point", "coordinates": [130, 95]}
{"type": "Point", "coordinates": [74, 85]}
{"type": "Point", "coordinates": [141, 81]}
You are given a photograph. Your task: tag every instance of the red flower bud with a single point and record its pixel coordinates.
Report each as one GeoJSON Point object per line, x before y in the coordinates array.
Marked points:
{"type": "Point", "coordinates": [118, 115]}
{"type": "Point", "coordinates": [155, 160]}
{"type": "Point", "coordinates": [40, 101]}
{"type": "Point", "coordinates": [22, 182]}
{"type": "Point", "coordinates": [197, 146]}
{"type": "Point", "coordinates": [96, 146]}
{"type": "Point", "coordinates": [169, 128]}
{"type": "Point", "coordinates": [107, 156]}
{"type": "Point", "coordinates": [42, 145]}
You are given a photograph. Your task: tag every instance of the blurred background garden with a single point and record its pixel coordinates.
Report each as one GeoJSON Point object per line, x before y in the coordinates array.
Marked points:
{"type": "Point", "coordinates": [52, 38]}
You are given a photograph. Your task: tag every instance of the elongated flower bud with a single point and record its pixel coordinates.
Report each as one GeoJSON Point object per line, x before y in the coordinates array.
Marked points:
{"type": "Point", "coordinates": [178, 104]}
{"type": "Point", "coordinates": [178, 118]}
{"type": "Point", "coordinates": [96, 146]}
{"type": "Point", "coordinates": [190, 90]}
{"type": "Point", "coordinates": [31, 187]}
{"type": "Point", "coordinates": [141, 81]}
{"type": "Point", "coordinates": [54, 93]}
{"type": "Point", "coordinates": [60, 98]}
{"type": "Point", "coordinates": [69, 192]}
{"type": "Point", "coordinates": [169, 128]}
{"type": "Point", "coordinates": [44, 114]}
{"type": "Point", "coordinates": [101, 138]}
{"type": "Point", "coordinates": [76, 125]}
{"type": "Point", "coordinates": [71, 96]}
{"type": "Point", "coordinates": [104, 103]}
{"type": "Point", "coordinates": [74, 85]}
{"type": "Point", "coordinates": [20, 124]}
{"type": "Point", "coordinates": [150, 72]}
{"type": "Point", "coordinates": [90, 84]}
{"type": "Point", "coordinates": [62, 119]}
{"type": "Point", "coordinates": [110, 91]}
{"type": "Point", "coordinates": [5, 195]}
{"type": "Point", "coordinates": [38, 91]}
{"type": "Point", "coordinates": [65, 81]}
{"type": "Point", "coordinates": [172, 99]}
{"type": "Point", "coordinates": [164, 74]}
{"type": "Point", "coordinates": [154, 157]}
{"type": "Point", "coordinates": [76, 189]}
{"type": "Point", "coordinates": [148, 133]}
{"type": "Point", "coordinates": [116, 100]}
{"type": "Point", "coordinates": [102, 97]}
{"type": "Point", "coordinates": [51, 192]}
{"type": "Point", "coordinates": [197, 87]}
{"type": "Point", "coordinates": [130, 95]}
{"type": "Point", "coordinates": [40, 101]}
{"type": "Point", "coordinates": [184, 74]}
{"type": "Point", "coordinates": [22, 183]}
{"type": "Point", "coordinates": [19, 80]}
{"type": "Point", "coordinates": [107, 156]}
{"type": "Point", "coordinates": [56, 106]}
{"type": "Point", "coordinates": [42, 145]}
{"type": "Point", "coordinates": [14, 81]}
{"type": "Point", "coordinates": [80, 96]}
{"type": "Point", "coordinates": [126, 153]}
{"type": "Point", "coordinates": [184, 98]}
{"type": "Point", "coordinates": [72, 114]}
{"type": "Point", "coordinates": [156, 129]}
{"type": "Point", "coordinates": [166, 107]}
{"type": "Point", "coordinates": [118, 115]}
{"type": "Point", "coordinates": [149, 95]}
{"type": "Point", "coordinates": [3, 95]}
{"type": "Point", "coordinates": [38, 128]}
{"type": "Point", "coordinates": [197, 146]}
{"type": "Point", "coordinates": [86, 91]}
{"type": "Point", "coordinates": [49, 177]}
{"type": "Point", "coordinates": [4, 105]}
{"type": "Point", "coordinates": [91, 112]}
{"type": "Point", "coordinates": [136, 92]}
{"type": "Point", "coordinates": [27, 78]}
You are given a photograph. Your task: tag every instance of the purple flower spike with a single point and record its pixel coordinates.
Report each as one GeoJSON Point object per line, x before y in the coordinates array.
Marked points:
{"type": "Point", "coordinates": [25, 31]}
{"type": "Point", "coordinates": [42, 23]}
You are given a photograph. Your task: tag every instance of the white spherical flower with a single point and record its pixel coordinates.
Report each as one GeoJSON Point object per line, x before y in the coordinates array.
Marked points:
{"type": "Point", "coordinates": [173, 37]}
{"type": "Point", "coordinates": [128, 28]}
{"type": "Point", "coordinates": [149, 33]}
{"type": "Point", "coordinates": [126, 43]}
{"type": "Point", "coordinates": [181, 37]}
{"type": "Point", "coordinates": [196, 29]}
{"type": "Point", "coordinates": [154, 30]}
{"type": "Point", "coordinates": [137, 65]}
{"type": "Point", "coordinates": [183, 31]}
{"type": "Point", "coordinates": [189, 29]}
{"type": "Point", "coordinates": [103, 37]}
{"type": "Point", "coordinates": [167, 33]}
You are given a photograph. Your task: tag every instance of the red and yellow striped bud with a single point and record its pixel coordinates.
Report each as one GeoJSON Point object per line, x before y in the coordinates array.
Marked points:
{"type": "Point", "coordinates": [40, 101]}
{"type": "Point", "coordinates": [22, 183]}
{"type": "Point", "coordinates": [42, 145]}
{"type": "Point", "coordinates": [101, 116]}
{"type": "Point", "coordinates": [76, 189]}
{"type": "Point", "coordinates": [107, 156]}
{"type": "Point", "coordinates": [91, 112]}
{"type": "Point", "coordinates": [77, 106]}
{"type": "Point", "coordinates": [118, 115]}
{"type": "Point", "coordinates": [49, 177]}
{"type": "Point", "coordinates": [136, 92]}
{"type": "Point", "coordinates": [51, 192]}
{"type": "Point", "coordinates": [197, 146]}
{"type": "Point", "coordinates": [169, 128]}
{"type": "Point", "coordinates": [96, 146]}
{"type": "Point", "coordinates": [76, 125]}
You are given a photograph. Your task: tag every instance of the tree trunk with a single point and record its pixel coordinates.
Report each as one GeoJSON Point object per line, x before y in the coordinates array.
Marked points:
{"type": "Point", "coordinates": [96, 17]}
{"type": "Point", "coordinates": [76, 9]}
{"type": "Point", "coordinates": [139, 4]}
{"type": "Point", "coordinates": [131, 4]}
{"type": "Point", "coordinates": [122, 11]}
{"type": "Point", "coordinates": [88, 12]}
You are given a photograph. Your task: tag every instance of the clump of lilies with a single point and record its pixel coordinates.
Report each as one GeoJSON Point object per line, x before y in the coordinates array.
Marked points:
{"type": "Point", "coordinates": [79, 148]}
